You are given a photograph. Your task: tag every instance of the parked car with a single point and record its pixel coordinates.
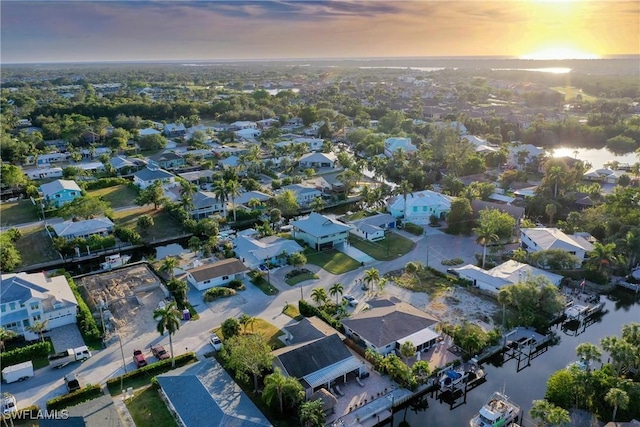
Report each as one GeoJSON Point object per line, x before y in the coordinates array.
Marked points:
{"type": "Point", "coordinates": [138, 359]}
{"type": "Point", "coordinates": [216, 342]}
{"type": "Point", "coordinates": [350, 300]}
{"type": "Point", "coordinates": [71, 380]}
{"type": "Point", "coordinates": [159, 352]}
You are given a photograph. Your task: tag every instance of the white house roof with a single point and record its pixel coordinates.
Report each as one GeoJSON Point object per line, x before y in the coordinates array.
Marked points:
{"type": "Point", "coordinates": [149, 131]}
{"type": "Point", "coordinates": [319, 158]}
{"type": "Point", "coordinates": [119, 162]}
{"type": "Point", "coordinates": [174, 127]}
{"type": "Point", "coordinates": [254, 251]}
{"type": "Point", "coordinates": [300, 189]}
{"type": "Point", "coordinates": [245, 197]}
{"type": "Point", "coordinates": [514, 272]}
{"type": "Point", "coordinates": [319, 225]}
{"type": "Point", "coordinates": [472, 272]}
{"type": "Point", "coordinates": [82, 228]}
{"type": "Point", "coordinates": [58, 185]}
{"type": "Point", "coordinates": [420, 198]}
{"type": "Point", "coordinates": [393, 143]}
{"type": "Point", "coordinates": [552, 238]}
{"type": "Point", "coordinates": [23, 286]}
{"type": "Point", "coordinates": [475, 140]}
{"type": "Point", "coordinates": [230, 161]}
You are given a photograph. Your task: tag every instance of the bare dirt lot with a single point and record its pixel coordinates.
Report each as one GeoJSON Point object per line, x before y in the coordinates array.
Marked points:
{"type": "Point", "coordinates": [125, 293]}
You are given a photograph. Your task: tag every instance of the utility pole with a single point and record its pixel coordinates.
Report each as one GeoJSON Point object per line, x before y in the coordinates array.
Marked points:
{"type": "Point", "coordinates": [124, 364]}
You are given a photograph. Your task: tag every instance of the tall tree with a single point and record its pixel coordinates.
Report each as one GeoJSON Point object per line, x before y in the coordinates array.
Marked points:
{"type": "Point", "coordinates": [168, 318]}
{"type": "Point", "coordinates": [282, 387]}
{"type": "Point", "coordinates": [312, 413]}
{"type": "Point", "coordinates": [6, 334]}
{"type": "Point", "coordinates": [485, 234]}
{"type": "Point", "coordinates": [617, 398]}
{"type": "Point", "coordinates": [233, 191]}
{"type": "Point", "coordinates": [407, 349]}
{"type": "Point", "coordinates": [248, 354]}
{"type": "Point", "coordinates": [404, 189]}
{"type": "Point", "coordinates": [168, 265]}
{"type": "Point", "coordinates": [39, 327]}
{"type": "Point", "coordinates": [602, 256]}
{"type": "Point", "coordinates": [371, 276]}
{"type": "Point", "coordinates": [319, 296]}
{"type": "Point", "coordinates": [336, 290]}
{"type": "Point", "coordinates": [589, 353]}
{"type": "Point", "coordinates": [152, 194]}
{"type": "Point", "coordinates": [220, 190]}
{"type": "Point", "coordinates": [246, 320]}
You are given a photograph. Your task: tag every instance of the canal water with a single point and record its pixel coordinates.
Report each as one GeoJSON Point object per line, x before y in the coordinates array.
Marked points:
{"type": "Point", "coordinates": [530, 383]}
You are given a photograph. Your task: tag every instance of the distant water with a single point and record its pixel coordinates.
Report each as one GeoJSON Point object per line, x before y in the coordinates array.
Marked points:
{"type": "Point", "coordinates": [596, 157]}
{"type": "Point", "coordinates": [427, 69]}
{"type": "Point", "coordinates": [551, 70]}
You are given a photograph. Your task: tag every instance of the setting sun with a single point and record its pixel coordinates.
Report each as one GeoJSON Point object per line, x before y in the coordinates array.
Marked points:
{"type": "Point", "coordinates": [552, 53]}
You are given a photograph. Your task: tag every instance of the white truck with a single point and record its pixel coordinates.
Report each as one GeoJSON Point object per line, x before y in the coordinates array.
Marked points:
{"type": "Point", "coordinates": [8, 403]}
{"type": "Point", "coordinates": [19, 372]}
{"type": "Point", "coordinates": [62, 359]}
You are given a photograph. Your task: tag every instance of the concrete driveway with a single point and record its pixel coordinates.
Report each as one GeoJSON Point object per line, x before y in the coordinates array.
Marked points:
{"type": "Point", "coordinates": [64, 337]}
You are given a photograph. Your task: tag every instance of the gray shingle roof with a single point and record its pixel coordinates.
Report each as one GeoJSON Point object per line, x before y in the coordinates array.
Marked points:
{"type": "Point", "coordinates": [388, 322]}
{"type": "Point", "coordinates": [319, 225]}
{"type": "Point", "coordinates": [147, 174]}
{"type": "Point", "coordinates": [226, 267]}
{"type": "Point", "coordinates": [312, 357]}
{"type": "Point", "coordinates": [82, 228]}
{"type": "Point", "coordinates": [192, 401]}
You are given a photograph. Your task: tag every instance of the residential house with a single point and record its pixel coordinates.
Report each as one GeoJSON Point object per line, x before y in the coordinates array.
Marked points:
{"type": "Point", "coordinates": [604, 175]}
{"type": "Point", "coordinates": [71, 229]}
{"type": "Point", "coordinates": [541, 239]}
{"type": "Point", "coordinates": [147, 176]}
{"type": "Point", "coordinates": [515, 212]}
{"type": "Point", "coordinates": [523, 154]}
{"type": "Point", "coordinates": [218, 400]}
{"type": "Point", "coordinates": [28, 298]}
{"type": "Point", "coordinates": [44, 160]}
{"type": "Point", "coordinates": [205, 204]}
{"type": "Point", "coordinates": [328, 183]}
{"type": "Point", "coordinates": [230, 162]}
{"type": "Point", "coordinates": [318, 160]}
{"type": "Point", "coordinates": [421, 205]}
{"type": "Point", "coordinates": [167, 160]}
{"type": "Point", "coordinates": [373, 228]}
{"type": "Point", "coordinates": [320, 231]}
{"type": "Point", "coordinates": [305, 194]}
{"type": "Point", "coordinates": [389, 323]}
{"type": "Point", "coordinates": [505, 274]}
{"type": "Point", "coordinates": [43, 173]}
{"type": "Point", "coordinates": [391, 145]}
{"type": "Point", "coordinates": [239, 125]}
{"type": "Point", "coordinates": [120, 162]}
{"type": "Point", "coordinates": [294, 122]}
{"type": "Point", "coordinates": [149, 131]}
{"type": "Point", "coordinates": [271, 250]}
{"type": "Point", "coordinates": [244, 198]}
{"type": "Point", "coordinates": [316, 364]}
{"type": "Point", "coordinates": [198, 177]}
{"type": "Point", "coordinates": [217, 273]}
{"type": "Point", "coordinates": [175, 130]}
{"type": "Point", "coordinates": [59, 192]}
{"type": "Point", "coordinates": [455, 125]}
{"type": "Point", "coordinates": [267, 123]}
{"type": "Point", "coordinates": [248, 133]}
{"type": "Point", "coordinates": [90, 137]}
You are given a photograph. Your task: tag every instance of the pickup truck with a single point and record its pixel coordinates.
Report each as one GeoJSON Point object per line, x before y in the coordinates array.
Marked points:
{"type": "Point", "coordinates": [62, 359]}
{"type": "Point", "coordinates": [71, 380]}
{"type": "Point", "coordinates": [138, 359]}
{"type": "Point", "coordinates": [159, 352]}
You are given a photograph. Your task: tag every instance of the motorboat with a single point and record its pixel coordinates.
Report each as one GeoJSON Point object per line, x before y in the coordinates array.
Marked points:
{"type": "Point", "coordinates": [498, 411]}
{"type": "Point", "coordinates": [453, 377]}
{"type": "Point", "coordinates": [113, 261]}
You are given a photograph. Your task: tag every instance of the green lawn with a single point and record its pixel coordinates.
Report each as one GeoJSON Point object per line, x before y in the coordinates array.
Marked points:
{"type": "Point", "coordinates": [35, 246]}
{"type": "Point", "coordinates": [301, 278]}
{"type": "Point", "coordinates": [392, 247]}
{"type": "Point", "coordinates": [333, 261]}
{"type": "Point", "coordinates": [118, 196]}
{"type": "Point", "coordinates": [148, 409]}
{"type": "Point", "coordinates": [266, 287]}
{"type": "Point", "coordinates": [570, 93]}
{"type": "Point", "coordinates": [260, 326]}
{"type": "Point", "coordinates": [164, 224]}
{"type": "Point", "coordinates": [20, 212]}
{"type": "Point", "coordinates": [292, 311]}
{"type": "Point", "coordinates": [426, 281]}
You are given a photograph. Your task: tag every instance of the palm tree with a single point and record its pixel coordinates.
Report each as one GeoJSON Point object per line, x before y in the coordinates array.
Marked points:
{"type": "Point", "coordinates": [336, 291]}
{"type": "Point", "coordinates": [281, 386]}
{"type": "Point", "coordinates": [317, 204]}
{"type": "Point", "coordinates": [220, 190]}
{"type": "Point", "coordinates": [407, 349]}
{"type": "Point", "coordinates": [371, 276]}
{"type": "Point", "coordinates": [39, 327]}
{"type": "Point", "coordinates": [168, 265]}
{"type": "Point", "coordinates": [485, 234]}
{"type": "Point", "coordinates": [413, 267]}
{"type": "Point", "coordinates": [556, 174]}
{"type": "Point", "coordinates": [233, 190]}
{"type": "Point", "coordinates": [168, 318]}
{"type": "Point", "coordinates": [404, 189]}
{"type": "Point", "coordinates": [246, 320]}
{"type": "Point", "coordinates": [540, 409]}
{"type": "Point", "coordinates": [551, 209]}
{"type": "Point", "coordinates": [319, 296]}
{"type": "Point", "coordinates": [617, 398]}
{"type": "Point", "coordinates": [602, 256]}
{"type": "Point", "coordinates": [381, 284]}
{"type": "Point", "coordinates": [589, 352]}
{"type": "Point", "coordinates": [6, 334]}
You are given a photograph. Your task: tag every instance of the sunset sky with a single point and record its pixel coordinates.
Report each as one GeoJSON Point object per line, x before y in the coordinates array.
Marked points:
{"type": "Point", "coordinates": [55, 31]}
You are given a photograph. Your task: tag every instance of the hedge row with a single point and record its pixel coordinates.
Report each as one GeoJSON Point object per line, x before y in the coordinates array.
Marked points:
{"type": "Point", "coordinates": [86, 322]}
{"type": "Point", "coordinates": [26, 353]}
{"type": "Point", "coordinates": [103, 183]}
{"type": "Point", "coordinates": [89, 392]}
{"type": "Point", "coordinates": [308, 310]}
{"type": "Point", "coordinates": [217, 292]}
{"type": "Point", "coordinates": [151, 370]}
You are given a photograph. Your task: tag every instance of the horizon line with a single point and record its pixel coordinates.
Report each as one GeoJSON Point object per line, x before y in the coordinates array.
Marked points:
{"type": "Point", "coordinates": [307, 59]}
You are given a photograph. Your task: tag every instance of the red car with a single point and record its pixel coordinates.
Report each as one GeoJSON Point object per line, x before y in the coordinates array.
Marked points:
{"type": "Point", "coordinates": [138, 359]}
{"type": "Point", "coordinates": [159, 352]}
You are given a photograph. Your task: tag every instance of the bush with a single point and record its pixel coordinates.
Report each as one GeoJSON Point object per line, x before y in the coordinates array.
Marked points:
{"type": "Point", "coordinates": [86, 322]}
{"type": "Point", "coordinates": [87, 393]}
{"type": "Point", "coordinates": [413, 229]}
{"type": "Point", "coordinates": [151, 370]}
{"type": "Point", "coordinates": [26, 353]}
{"type": "Point", "coordinates": [128, 235]}
{"type": "Point", "coordinates": [308, 310]}
{"type": "Point", "coordinates": [236, 284]}
{"type": "Point", "coordinates": [216, 292]}
{"type": "Point", "coordinates": [104, 183]}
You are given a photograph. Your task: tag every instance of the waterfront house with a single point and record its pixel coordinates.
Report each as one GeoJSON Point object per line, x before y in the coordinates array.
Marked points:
{"type": "Point", "coordinates": [72, 229]}
{"type": "Point", "coordinates": [372, 228]}
{"type": "Point", "coordinates": [319, 231]}
{"type": "Point", "coordinates": [505, 274]}
{"type": "Point", "coordinates": [540, 239]}
{"type": "Point", "coordinates": [420, 206]}
{"type": "Point", "coordinates": [217, 273]}
{"type": "Point", "coordinates": [272, 250]}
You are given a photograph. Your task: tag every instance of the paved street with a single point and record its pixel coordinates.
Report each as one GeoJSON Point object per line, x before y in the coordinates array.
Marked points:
{"type": "Point", "coordinates": [193, 336]}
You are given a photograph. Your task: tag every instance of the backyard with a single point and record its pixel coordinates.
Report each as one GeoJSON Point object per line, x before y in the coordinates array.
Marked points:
{"type": "Point", "coordinates": [35, 246]}
{"type": "Point", "coordinates": [148, 409]}
{"type": "Point", "coordinates": [118, 196]}
{"type": "Point", "coordinates": [20, 212]}
{"type": "Point", "coordinates": [260, 326]}
{"type": "Point", "coordinates": [164, 225]}
{"type": "Point", "coordinates": [425, 280]}
{"type": "Point", "coordinates": [393, 246]}
{"type": "Point", "coordinates": [334, 261]}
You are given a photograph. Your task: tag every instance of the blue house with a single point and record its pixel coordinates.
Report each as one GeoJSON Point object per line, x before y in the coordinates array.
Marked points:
{"type": "Point", "coordinates": [59, 192]}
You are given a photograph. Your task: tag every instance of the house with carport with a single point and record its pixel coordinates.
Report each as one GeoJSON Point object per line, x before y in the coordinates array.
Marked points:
{"type": "Point", "coordinates": [389, 323]}
{"type": "Point", "coordinates": [372, 228]}
{"type": "Point", "coordinates": [83, 229]}
{"type": "Point", "coordinates": [217, 273]}
{"type": "Point", "coordinates": [317, 160]}
{"type": "Point", "coordinates": [319, 231]}
{"type": "Point", "coordinates": [421, 205]}
{"type": "Point", "coordinates": [272, 250]}
{"type": "Point", "coordinates": [26, 298]}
